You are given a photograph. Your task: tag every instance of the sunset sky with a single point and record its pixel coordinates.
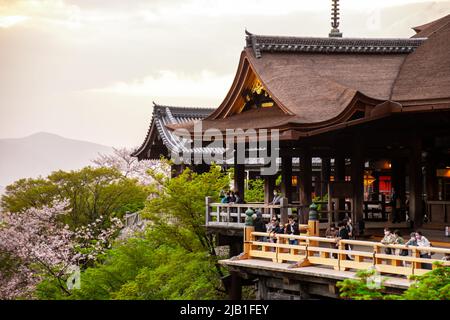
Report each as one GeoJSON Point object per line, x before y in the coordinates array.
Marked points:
{"type": "Point", "coordinates": [90, 69]}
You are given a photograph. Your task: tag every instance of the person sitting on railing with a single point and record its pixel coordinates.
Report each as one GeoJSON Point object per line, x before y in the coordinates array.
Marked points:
{"type": "Point", "coordinates": [389, 238]}
{"type": "Point", "coordinates": [424, 243]}
{"type": "Point", "coordinates": [292, 228]}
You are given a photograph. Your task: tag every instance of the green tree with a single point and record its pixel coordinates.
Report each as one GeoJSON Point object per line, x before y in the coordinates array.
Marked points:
{"type": "Point", "coordinates": [92, 192]}
{"type": "Point", "coordinates": [433, 285]}
{"type": "Point", "coordinates": [141, 268]}
{"type": "Point", "coordinates": [255, 191]}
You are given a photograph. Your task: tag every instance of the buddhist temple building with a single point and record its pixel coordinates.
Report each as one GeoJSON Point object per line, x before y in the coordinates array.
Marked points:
{"type": "Point", "coordinates": [371, 113]}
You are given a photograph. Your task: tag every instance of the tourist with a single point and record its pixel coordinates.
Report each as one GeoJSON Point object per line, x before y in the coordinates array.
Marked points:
{"type": "Point", "coordinates": [276, 197]}
{"type": "Point", "coordinates": [350, 228]}
{"type": "Point", "coordinates": [276, 228]}
{"type": "Point", "coordinates": [225, 197]}
{"type": "Point", "coordinates": [399, 240]}
{"type": "Point", "coordinates": [389, 238]}
{"type": "Point", "coordinates": [237, 198]}
{"type": "Point", "coordinates": [332, 233]}
{"type": "Point", "coordinates": [232, 198]}
{"type": "Point", "coordinates": [293, 229]}
{"type": "Point", "coordinates": [446, 257]}
{"type": "Point", "coordinates": [258, 223]}
{"type": "Point", "coordinates": [423, 242]}
{"type": "Point", "coordinates": [343, 235]}
{"type": "Point", "coordinates": [412, 240]}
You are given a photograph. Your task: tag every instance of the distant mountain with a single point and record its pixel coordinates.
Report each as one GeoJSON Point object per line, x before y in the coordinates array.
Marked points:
{"type": "Point", "coordinates": [43, 153]}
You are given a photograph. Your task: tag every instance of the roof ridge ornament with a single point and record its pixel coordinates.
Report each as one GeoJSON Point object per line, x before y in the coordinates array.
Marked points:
{"type": "Point", "coordinates": [251, 41]}
{"type": "Point", "coordinates": [335, 33]}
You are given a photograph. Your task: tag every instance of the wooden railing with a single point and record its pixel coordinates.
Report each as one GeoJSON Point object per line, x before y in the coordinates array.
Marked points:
{"type": "Point", "coordinates": [233, 214]}
{"type": "Point", "coordinates": [321, 251]}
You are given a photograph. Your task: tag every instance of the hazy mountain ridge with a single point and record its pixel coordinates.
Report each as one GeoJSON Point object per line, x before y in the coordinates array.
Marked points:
{"type": "Point", "coordinates": [43, 153]}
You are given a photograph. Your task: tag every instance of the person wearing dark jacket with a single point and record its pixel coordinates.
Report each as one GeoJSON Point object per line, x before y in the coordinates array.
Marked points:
{"type": "Point", "coordinates": [292, 228]}
{"type": "Point", "coordinates": [343, 235]}
{"type": "Point", "coordinates": [258, 223]}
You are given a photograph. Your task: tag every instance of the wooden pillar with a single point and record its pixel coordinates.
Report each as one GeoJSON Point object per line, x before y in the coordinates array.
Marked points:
{"type": "Point", "coordinates": [239, 176]}
{"type": "Point", "coordinates": [431, 180]}
{"type": "Point", "coordinates": [415, 183]}
{"type": "Point", "coordinates": [317, 184]}
{"type": "Point", "coordinates": [398, 181]}
{"type": "Point", "coordinates": [305, 183]}
{"type": "Point", "coordinates": [376, 183]}
{"type": "Point", "coordinates": [284, 211]}
{"type": "Point", "coordinates": [357, 176]}
{"type": "Point", "coordinates": [325, 173]}
{"type": "Point", "coordinates": [269, 186]}
{"type": "Point", "coordinates": [286, 177]}
{"type": "Point", "coordinates": [339, 175]}
{"type": "Point", "coordinates": [236, 286]}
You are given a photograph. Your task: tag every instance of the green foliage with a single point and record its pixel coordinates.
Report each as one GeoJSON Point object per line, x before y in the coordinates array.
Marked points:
{"type": "Point", "coordinates": [255, 191]}
{"type": "Point", "coordinates": [27, 193]}
{"type": "Point", "coordinates": [92, 192]}
{"type": "Point", "coordinates": [433, 285]}
{"type": "Point", "coordinates": [177, 206]}
{"type": "Point", "coordinates": [278, 181]}
{"type": "Point", "coordinates": [173, 259]}
{"type": "Point", "coordinates": [358, 289]}
{"type": "Point", "coordinates": [141, 268]}
{"type": "Point", "coordinates": [320, 199]}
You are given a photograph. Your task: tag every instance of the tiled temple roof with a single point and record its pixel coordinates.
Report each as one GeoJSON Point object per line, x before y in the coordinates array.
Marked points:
{"type": "Point", "coordinates": [260, 44]}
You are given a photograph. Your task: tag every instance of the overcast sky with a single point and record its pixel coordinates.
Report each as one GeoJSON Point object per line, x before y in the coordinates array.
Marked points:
{"type": "Point", "coordinates": [90, 69]}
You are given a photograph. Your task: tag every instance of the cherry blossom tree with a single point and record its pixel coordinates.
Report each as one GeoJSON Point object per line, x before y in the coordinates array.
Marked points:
{"type": "Point", "coordinates": [40, 246]}
{"type": "Point", "coordinates": [130, 167]}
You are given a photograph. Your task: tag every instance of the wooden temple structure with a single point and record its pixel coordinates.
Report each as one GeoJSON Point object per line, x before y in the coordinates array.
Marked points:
{"type": "Point", "coordinates": [375, 112]}
{"type": "Point", "coordinates": [365, 121]}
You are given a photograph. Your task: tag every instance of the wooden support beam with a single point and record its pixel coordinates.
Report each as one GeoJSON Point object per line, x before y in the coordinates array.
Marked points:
{"type": "Point", "coordinates": [325, 173]}
{"type": "Point", "coordinates": [431, 180]}
{"type": "Point", "coordinates": [357, 176]}
{"type": "Point", "coordinates": [398, 174]}
{"type": "Point", "coordinates": [236, 286]}
{"type": "Point", "coordinates": [415, 182]}
{"type": "Point", "coordinates": [305, 183]}
{"type": "Point", "coordinates": [339, 175]}
{"type": "Point", "coordinates": [239, 176]}
{"type": "Point", "coordinates": [269, 187]}
{"type": "Point", "coordinates": [286, 177]}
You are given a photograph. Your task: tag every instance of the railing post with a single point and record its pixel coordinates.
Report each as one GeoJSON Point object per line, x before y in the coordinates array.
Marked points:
{"type": "Point", "coordinates": [283, 210]}
{"type": "Point", "coordinates": [208, 201]}
{"type": "Point", "coordinates": [228, 214]}
{"type": "Point", "coordinates": [248, 240]}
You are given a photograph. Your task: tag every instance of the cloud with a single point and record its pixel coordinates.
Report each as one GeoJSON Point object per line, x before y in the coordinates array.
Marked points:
{"type": "Point", "coordinates": [9, 21]}
{"type": "Point", "coordinates": [168, 83]}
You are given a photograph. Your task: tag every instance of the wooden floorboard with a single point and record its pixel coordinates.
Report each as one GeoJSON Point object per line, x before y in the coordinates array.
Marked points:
{"type": "Point", "coordinates": [324, 272]}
